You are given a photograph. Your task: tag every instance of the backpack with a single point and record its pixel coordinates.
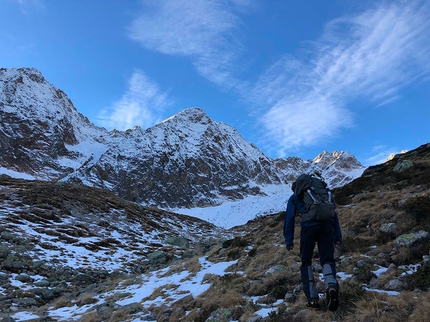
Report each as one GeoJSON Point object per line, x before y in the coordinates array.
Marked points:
{"type": "Point", "coordinates": [317, 197]}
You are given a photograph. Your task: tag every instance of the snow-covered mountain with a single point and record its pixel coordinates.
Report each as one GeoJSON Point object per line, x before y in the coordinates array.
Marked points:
{"type": "Point", "coordinates": [42, 135]}
{"type": "Point", "coordinates": [187, 161]}
{"type": "Point", "coordinates": [340, 167]}
{"type": "Point", "coordinates": [70, 252]}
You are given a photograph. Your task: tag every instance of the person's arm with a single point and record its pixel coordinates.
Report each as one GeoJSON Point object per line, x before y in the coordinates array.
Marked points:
{"type": "Point", "coordinates": [300, 205]}
{"type": "Point", "coordinates": [289, 222]}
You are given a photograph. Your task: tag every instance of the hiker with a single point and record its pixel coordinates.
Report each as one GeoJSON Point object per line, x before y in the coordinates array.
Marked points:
{"type": "Point", "coordinates": [325, 233]}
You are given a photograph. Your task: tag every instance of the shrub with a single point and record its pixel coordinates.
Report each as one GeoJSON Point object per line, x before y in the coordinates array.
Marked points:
{"type": "Point", "coordinates": [233, 254]}
{"type": "Point", "coordinates": [355, 244]}
{"type": "Point", "coordinates": [419, 208]}
{"type": "Point", "coordinates": [235, 242]}
{"type": "Point", "coordinates": [419, 249]}
{"type": "Point", "coordinates": [351, 292]}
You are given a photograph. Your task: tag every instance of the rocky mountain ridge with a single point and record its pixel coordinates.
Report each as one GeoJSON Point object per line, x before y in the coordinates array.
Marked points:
{"type": "Point", "coordinates": [188, 160]}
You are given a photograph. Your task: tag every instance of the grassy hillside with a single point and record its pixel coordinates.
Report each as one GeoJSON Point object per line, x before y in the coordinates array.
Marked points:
{"type": "Point", "coordinates": [383, 264]}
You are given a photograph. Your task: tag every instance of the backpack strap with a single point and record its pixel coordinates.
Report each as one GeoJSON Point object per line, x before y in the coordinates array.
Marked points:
{"type": "Point", "coordinates": [312, 196]}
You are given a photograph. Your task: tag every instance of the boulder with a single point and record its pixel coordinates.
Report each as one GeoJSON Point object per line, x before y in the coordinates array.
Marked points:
{"type": "Point", "coordinates": [403, 165]}
{"type": "Point", "coordinates": [410, 239]}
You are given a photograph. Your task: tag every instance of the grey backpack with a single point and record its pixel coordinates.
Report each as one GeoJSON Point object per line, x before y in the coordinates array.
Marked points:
{"type": "Point", "coordinates": [317, 197]}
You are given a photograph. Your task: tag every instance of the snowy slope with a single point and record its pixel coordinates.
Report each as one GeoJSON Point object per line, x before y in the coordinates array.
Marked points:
{"type": "Point", "coordinates": [42, 134]}
{"type": "Point", "coordinates": [189, 162]}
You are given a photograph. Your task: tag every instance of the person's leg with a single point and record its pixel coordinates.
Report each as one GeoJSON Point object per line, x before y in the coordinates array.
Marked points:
{"type": "Point", "coordinates": [307, 245]}
{"type": "Point", "coordinates": [326, 250]}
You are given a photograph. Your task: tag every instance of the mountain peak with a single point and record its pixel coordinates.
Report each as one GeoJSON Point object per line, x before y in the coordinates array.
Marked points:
{"type": "Point", "coordinates": [190, 115]}
{"type": "Point", "coordinates": [44, 122]}
{"type": "Point", "coordinates": [21, 71]}
{"type": "Point", "coordinates": [186, 161]}
{"type": "Point", "coordinates": [325, 154]}
{"type": "Point", "coordinates": [331, 157]}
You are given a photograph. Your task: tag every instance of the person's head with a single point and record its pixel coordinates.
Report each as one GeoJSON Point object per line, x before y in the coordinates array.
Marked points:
{"type": "Point", "coordinates": [293, 186]}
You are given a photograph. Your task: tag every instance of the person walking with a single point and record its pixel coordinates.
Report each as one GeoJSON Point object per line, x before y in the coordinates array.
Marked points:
{"type": "Point", "coordinates": [326, 234]}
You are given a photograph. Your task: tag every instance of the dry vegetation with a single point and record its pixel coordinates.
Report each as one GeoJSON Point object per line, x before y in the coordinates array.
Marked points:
{"type": "Point", "coordinates": [380, 197]}
{"type": "Point", "coordinates": [266, 273]}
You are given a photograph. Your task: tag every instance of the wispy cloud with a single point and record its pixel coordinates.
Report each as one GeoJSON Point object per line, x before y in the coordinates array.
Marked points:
{"type": "Point", "coordinates": [142, 105]}
{"type": "Point", "coordinates": [299, 101]}
{"type": "Point", "coordinates": [380, 154]}
{"type": "Point", "coordinates": [372, 55]}
{"type": "Point", "coordinates": [200, 30]}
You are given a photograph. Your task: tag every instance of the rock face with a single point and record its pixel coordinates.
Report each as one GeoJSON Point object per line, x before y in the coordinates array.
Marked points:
{"type": "Point", "coordinates": [340, 167]}
{"type": "Point", "coordinates": [38, 123]}
{"type": "Point", "coordinates": [188, 160]}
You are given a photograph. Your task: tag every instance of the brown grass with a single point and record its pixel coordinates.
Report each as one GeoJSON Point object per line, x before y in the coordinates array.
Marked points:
{"type": "Point", "coordinates": [120, 315]}
{"type": "Point", "coordinates": [133, 280]}
{"type": "Point", "coordinates": [376, 208]}
{"type": "Point", "coordinates": [62, 302]}
{"type": "Point", "coordinates": [191, 265]}
{"type": "Point", "coordinates": [117, 296]}
{"type": "Point", "coordinates": [85, 299]}
{"type": "Point", "coordinates": [421, 307]}
{"type": "Point", "coordinates": [225, 292]}
{"type": "Point", "coordinates": [371, 309]}
{"type": "Point", "coordinates": [382, 307]}
{"type": "Point", "coordinates": [90, 317]}
{"type": "Point", "coordinates": [160, 292]}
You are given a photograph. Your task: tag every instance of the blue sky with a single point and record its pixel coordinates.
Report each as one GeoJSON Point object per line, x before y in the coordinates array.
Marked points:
{"type": "Point", "coordinates": [293, 77]}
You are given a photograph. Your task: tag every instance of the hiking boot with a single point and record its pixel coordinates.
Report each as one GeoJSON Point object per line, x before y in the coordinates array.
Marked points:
{"type": "Point", "coordinates": [313, 305]}
{"type": "Point", "coordinates": [332, 297]}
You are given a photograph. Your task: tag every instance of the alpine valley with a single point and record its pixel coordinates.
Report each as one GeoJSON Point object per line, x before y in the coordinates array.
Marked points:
{"type": "Point", "coordinates": [188, 163]}
{"type": "Point", "coordinates": [183, 221]}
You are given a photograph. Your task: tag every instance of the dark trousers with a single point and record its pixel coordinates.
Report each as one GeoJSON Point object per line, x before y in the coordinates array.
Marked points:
{"type": "Point", "coordinates": [322, 235]}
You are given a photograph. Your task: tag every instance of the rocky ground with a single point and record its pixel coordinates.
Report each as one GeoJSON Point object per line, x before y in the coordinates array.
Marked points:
{"type": "Point", "coordinates": [84, 254]}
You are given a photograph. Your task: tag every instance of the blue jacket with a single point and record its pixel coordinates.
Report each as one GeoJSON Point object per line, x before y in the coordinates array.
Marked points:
{"type": "Point", "coordinates": [294, 204]}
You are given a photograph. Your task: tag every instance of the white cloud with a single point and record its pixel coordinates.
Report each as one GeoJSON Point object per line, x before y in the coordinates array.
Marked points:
{"type": "Point", "coordinates": [201, 30]}
{"type": "Point", "coordinates": [373, 55]}
{"type": "Point", "coordinates": [380, 154]}
{"type": "Point", "coordinates": [304, 122]}
{"type": "Point", "coordinates": [300, 101]}
{"type": "Point", "coordinates": [142, 105]}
